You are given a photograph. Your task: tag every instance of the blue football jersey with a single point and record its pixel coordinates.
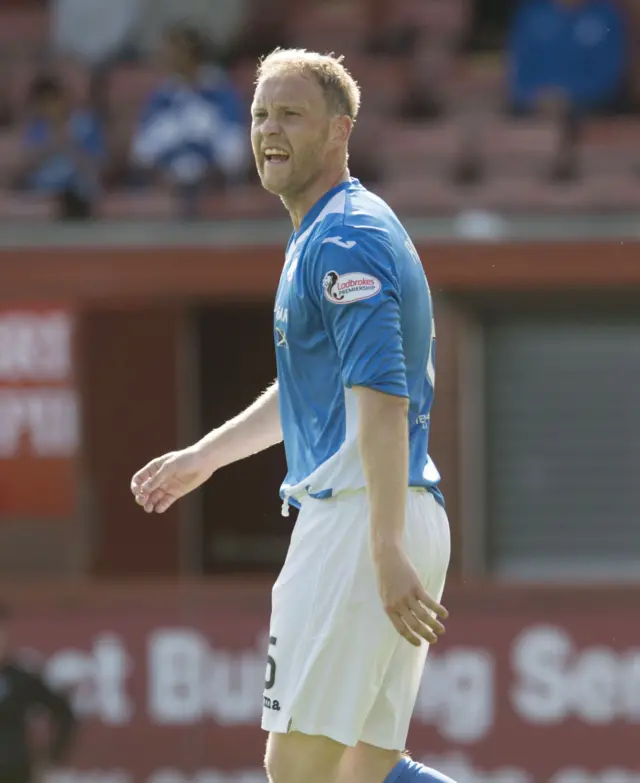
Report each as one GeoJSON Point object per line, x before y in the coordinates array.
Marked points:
{"type": "Point", "coordinates": [353, 308]}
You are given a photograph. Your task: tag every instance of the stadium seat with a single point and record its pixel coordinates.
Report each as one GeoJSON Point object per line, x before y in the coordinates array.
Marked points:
{"type": "Point", "coordinates": [450, 18]}
{"type": "Point", "coordinates": [610, 146]}
{"type": "Point", "coordinates": [129, 86]}
{"type": "Point", "coordinates": [513, 147]}
{"type": "Point", "coordinates": [10, 150]}
{"type": "Point", "coordinates": [340, 27]}
{"type": "Point", "coordinates": [143, 204]}
{"type": "Point", "coordinates": [242, 202]}
{"type": "Point", "coordinates": [420, 196]}
{"type": "Point", "coordinates": [380, 79]}
{"type": "Point", "coordinates": [24, 207]}
{"type": "Point", "coordinates": [24, 30]}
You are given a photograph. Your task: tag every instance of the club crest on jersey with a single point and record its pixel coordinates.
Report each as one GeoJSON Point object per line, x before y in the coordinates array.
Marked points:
{"type": "Point", "coordinates": [350, 287]}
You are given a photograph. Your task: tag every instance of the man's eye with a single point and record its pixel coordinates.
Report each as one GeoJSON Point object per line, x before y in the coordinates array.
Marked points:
{"type": "Point", "coordinates": [290, 113]}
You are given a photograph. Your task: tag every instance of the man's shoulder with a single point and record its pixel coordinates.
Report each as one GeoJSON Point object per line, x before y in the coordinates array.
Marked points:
{"type": "Point", "coordinates": [341, 236]}
{"type": "Point", "coordinates": [366, 220]}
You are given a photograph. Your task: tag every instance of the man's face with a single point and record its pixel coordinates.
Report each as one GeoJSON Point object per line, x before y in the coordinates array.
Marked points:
{"type": "Point", "coordinates": [175, 55]}
{"type": "Point", "coordinates": [51, 107]}
{"type": "Point", "coordinates": [291, 132]}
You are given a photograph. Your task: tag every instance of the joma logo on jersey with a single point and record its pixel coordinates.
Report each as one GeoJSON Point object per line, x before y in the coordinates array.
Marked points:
{"type": "Point", "coordinates": [339, 242]}
{"type": "Point", "coordinates": [282, 314]}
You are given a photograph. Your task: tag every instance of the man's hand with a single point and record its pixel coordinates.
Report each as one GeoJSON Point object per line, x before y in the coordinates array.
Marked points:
{"type": "Point", "coordinates": [410, 608]}
{"type": "Point", "coordinates": [166, 479]}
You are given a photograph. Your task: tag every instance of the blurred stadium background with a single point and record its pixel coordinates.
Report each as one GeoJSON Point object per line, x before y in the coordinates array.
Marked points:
{"type": "Point", "coordinates": [139, 260]}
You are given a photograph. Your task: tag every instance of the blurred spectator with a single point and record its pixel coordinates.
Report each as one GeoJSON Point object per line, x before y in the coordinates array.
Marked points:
{"type": "Point", "coordinates": [63, 150]}
{"type": "Point", "coordinates": [222, 22]}
{"type": "Point", "coordinates": [21, 692]}
{"type": "Point", "coordinates": [192, 129]}
{"type": "Point", "coordinates": [425, 36]}
{"type": "Point", "coordinates": [567, 59]}
{"type": "Point", "coordinates": [428, 74]}
{"type": "Point", "coordinates": [569, 50]}
{"type": "Point", "coordinates": [95, 31]}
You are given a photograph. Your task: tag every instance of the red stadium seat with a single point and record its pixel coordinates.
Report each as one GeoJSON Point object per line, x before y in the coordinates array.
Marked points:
{"type": "Point", "coordinates": [242, 202]}
{"type": "Point", "coordinates": [25, 207]}
{"type": "Point", "coordinates": [127, 205]}
{"type": "Point", "coordinates": [340, 27]}
{"type": "Point", "coordinates": [518, 147]}
{"type": "Point", "coordinates": [417, 149]}
{"type": "Point", "coordinates": [10, 150]}
{"type": "Point", "coordinates": [130, 86]}
{"type": "Point", "coordinates": [610, 146]}
{"type": "Point", "coordinates": [24, 30]}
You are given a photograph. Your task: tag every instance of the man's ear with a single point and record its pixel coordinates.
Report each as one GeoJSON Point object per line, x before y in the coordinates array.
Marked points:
{"type": "Point", "coordinates": [342, 127]}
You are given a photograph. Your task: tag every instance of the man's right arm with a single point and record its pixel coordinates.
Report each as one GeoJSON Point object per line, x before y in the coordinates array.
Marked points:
{"type": "Point", "coordinates": [255, 429]}
{"type": "Point", "coordinates": [166, 479]}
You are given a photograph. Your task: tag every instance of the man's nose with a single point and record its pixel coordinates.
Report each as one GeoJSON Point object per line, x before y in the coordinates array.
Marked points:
{"type": "Point", "coordinates": [270, 126]}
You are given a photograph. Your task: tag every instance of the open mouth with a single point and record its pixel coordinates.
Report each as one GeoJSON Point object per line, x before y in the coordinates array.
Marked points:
{"type": "Point", "coordinates": [275, 156]}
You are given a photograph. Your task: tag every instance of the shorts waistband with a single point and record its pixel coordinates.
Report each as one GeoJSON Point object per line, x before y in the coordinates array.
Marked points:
{"type": "Point", "coordinates": [343, 493]}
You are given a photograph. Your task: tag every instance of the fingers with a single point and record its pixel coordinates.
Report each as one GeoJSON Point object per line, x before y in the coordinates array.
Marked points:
{"type": "Point", "coordinates": [156, 479]}
{"type": "Point", "coordinates": [147, 483]}
{"type": "Point", "coordinates": [418, 629]}
{"type": "Point", "coordinates": [415, 622]}
{"type": "Point", "coordinates": [428, 625]}
{"type": "Point", "coordinates": [423, 596]}
{"type": "Point", "coordinates": [144, 474]}
{"type": "Point", "coordinates": [158, 501]}
{"type": "Point", "coordinates": [403, 629]}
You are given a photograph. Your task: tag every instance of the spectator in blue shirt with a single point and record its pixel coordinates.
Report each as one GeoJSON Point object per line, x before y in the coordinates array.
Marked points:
{"type": "Point", "coordinates": [567, 59]}
{"type": "Point", "coordinates": [192, 128]}
{"type": "Point", "coordinates": [63, 149]}
{"type": "Point", "coordinates": [572, 48]}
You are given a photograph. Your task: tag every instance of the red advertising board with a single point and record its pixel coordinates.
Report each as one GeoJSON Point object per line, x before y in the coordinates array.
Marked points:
{"type": "Point", "coordinates": [38, 411]}
{"type": "Point", "coordinates": [536, 687]}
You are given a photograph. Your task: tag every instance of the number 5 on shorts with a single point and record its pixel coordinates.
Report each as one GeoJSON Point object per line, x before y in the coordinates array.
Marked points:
{"type": "Point", "coordinates": [271, 666]}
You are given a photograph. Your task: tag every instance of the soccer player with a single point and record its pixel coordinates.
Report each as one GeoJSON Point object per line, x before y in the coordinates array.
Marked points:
{"type": "Point", "coordinates": [356, 604]}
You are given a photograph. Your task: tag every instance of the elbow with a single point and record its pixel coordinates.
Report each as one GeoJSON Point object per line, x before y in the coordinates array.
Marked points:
{"type": "Point", "coordinates": [377, 406]}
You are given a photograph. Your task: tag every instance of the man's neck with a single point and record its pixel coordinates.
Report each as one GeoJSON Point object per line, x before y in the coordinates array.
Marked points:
{"type": "Point", "coordinates": [304, 203]}
{"type": "Point", "coordinates": [190, 76]}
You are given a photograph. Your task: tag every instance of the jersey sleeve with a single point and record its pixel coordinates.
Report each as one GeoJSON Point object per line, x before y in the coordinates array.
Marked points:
{"type": "Point", "coordinates": [354, 284]}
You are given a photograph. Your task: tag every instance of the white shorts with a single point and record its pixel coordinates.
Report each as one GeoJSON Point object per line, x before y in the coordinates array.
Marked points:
{"type": "Point", "coordinates": [337, 667]}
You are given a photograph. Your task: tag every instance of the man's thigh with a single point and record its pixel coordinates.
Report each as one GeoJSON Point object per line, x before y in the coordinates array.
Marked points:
{"type": "Point", "coordinates": [300, 758]}
{"type": "Point", "coordinates": [366, 764]}
{"type": "Point", "coordinates": [331, 641]}
{"type": "Point", "coordinates": [337, 667]}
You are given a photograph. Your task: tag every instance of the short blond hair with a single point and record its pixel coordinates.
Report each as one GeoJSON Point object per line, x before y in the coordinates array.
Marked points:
{"type": "Point", "coordinates": [340, 89]}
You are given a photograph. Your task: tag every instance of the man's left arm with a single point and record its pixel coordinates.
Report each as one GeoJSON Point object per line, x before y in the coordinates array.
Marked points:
{"type": "Point", "coordinates": [384, 450]}
{"type": "Point", "coordinates": [359, 298]}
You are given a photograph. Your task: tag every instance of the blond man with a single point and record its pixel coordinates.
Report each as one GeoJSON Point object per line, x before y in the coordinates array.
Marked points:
{"type": "Point", "coordinates": [356, 604]}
